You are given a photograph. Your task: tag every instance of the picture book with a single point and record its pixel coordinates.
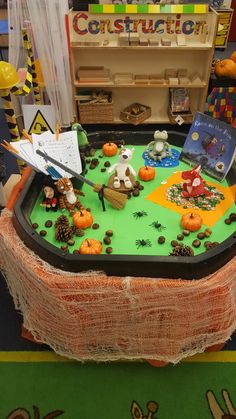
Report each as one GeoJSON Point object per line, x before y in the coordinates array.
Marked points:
{"type": "Point", "coordinates": [211, 143]}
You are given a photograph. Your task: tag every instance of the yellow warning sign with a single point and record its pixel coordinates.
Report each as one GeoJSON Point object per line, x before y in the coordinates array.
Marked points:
{"type": "Point", "coordinates": [39, 124]}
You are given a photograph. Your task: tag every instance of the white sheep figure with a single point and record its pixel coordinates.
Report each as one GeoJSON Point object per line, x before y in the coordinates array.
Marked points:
{"type": "Point", "coordinates": [123, 169]}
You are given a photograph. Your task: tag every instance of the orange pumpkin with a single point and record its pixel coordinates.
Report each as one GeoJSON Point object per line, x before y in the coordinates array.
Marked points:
{"type": "Point", "coordinates": [82, 219]}
{"type": "Point", "coordinates": [191, 221]}
{"type": "Point", "coordinates": [146, 173]}
{"type": "Point", "coordinates": [90, 247]}
{"type": "Point", "coordinates": [226, 68]}
{"type": "Point", "coordinates": [233, 56]}
{"type": "Point", "coordinates": [109, 149]}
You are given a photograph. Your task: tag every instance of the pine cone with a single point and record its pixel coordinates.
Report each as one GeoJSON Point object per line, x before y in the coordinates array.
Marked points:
{"type": "Point", "coordinates": [62, 220]}
{"type": "Point", "coordinates": [182, 251]}
{"type": "Point", "coordinates": [63, 233]}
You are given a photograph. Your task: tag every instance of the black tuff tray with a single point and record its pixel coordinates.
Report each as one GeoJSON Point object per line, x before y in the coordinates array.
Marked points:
{"type": "Point", "coordinates": [120, 265]}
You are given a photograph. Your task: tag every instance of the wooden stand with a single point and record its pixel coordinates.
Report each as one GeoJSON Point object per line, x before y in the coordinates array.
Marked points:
{"type": "Point", "coordinates": [194, 51]}
{"type": "Point", "coordinates": [122, 187]}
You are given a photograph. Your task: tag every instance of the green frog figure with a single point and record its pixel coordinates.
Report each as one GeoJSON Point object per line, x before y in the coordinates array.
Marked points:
{"type": "Point", "coordinates": [159, 148]}
{"type": "Point", "coordinates": [81, 135]}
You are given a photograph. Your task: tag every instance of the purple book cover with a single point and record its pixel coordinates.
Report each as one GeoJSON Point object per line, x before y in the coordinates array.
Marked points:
{"type": "Point", "coordinates": [211, 143]}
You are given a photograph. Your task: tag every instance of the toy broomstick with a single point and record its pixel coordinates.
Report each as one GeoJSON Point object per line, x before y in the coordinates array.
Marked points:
{"type": "Point", "coordinates": [116, 199]}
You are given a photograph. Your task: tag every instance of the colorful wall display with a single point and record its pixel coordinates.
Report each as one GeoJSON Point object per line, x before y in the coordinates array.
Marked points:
{"type": "Point", "coordinates": [148, 8]}
{"type": "Point", "coordinates": [84, 24]}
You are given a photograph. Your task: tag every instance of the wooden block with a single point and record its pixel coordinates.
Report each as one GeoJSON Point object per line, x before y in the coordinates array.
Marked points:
{"type": "Point", "coordinates": [182, 72]}
{"type": "Point", "coordinates": [195, 79]}
{"type": "Point", "coordinates": [153, 42]}
{"type": "Point", "coordinates": [123, 78]}
{"type": "Point", "coordinates": [171, 72]}
{"type": "Point", "coordinates": [141, 79]}
{"type": "Point", "coordinates": [184, 80]}
{"type": "Point", "coordinates": [134, 39]}
{"type": "Point", "coordinates": [122, 187]}
{"type": "Point", "coordinates": [123, 39]}
{"type": "Point", "coordinates": [156, 79]}
{"type": "Point", "coordinates": [173, 81]}
{"type": "Point", "coordinates": [143, 42]}
{"type": "Point", "coordinates": [181, 39]}
{"type": "Point", "coordinates": [166, 41]}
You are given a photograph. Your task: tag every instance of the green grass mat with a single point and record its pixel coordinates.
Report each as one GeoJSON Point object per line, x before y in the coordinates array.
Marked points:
{"type": "Point", "coordinates": [127, 229]}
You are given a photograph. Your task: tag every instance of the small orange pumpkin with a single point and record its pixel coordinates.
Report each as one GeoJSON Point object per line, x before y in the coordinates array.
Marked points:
{"type": "Point", "coordinates": [226, 68]}
{"type": "Point", "coordinates": [146, 173]}
{"type": "Point", "coordinates": [82, 219]}
{"type": "Point", "coordinates": [233, 56]}
{"type": "Point", "coordinates": [90, 247]}
{"type": "Point", "coordinates": [191, 221]}
{"type": "Point", "coordinates": [109, 149]}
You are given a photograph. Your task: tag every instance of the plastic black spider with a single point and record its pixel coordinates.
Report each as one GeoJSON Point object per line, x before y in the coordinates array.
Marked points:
{"type": "Point", "coordinates": [157, 225]}
{"type": "Point", "coordinates": [143, 243]}
{"type": "Point", "coordinates": [139, 214]}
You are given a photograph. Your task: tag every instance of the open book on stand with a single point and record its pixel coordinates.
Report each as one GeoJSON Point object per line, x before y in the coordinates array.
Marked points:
{"type": "Point", "coordinates": [211, 143]}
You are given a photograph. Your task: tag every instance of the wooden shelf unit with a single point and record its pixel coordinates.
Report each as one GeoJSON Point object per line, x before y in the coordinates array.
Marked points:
{"type": "Point", "coordinates": [195, 57]}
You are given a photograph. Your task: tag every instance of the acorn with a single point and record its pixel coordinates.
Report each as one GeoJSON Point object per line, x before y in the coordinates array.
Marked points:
{"type": "Point", "coordinates": [103, 169]}
{"type": "Point", "coordinates": [107, 240]}
{"type": "Point", "coordinates": [228, 221]}
{"type": "Point", "coordinates": [95, 226]}
{"type": "Point", "coordinates": [196, 243]}
{"type": "Point", "coordinates": [208, 230]}
{"type": "Point", "coordinates": [107, 164]}
{"type": "Point", "coordinates": [76, 252]}
{"type": "Point", "coordinates": [48, 223]}
{"type": "Point", "coordinates": [109, 233]}
{"type": "Point", "coordinates": [161, 240]}
{"type": "Point", "coordinates": [180, 236]}
{"type": "Point", "coordinates": [207, 243]}
{"type": "Point", "coordinates": [201, 236]}
{"type": "Point", "coordinates": [174, 243]}
{"type": "Point", "coordinates": [64, 247]}
{"type": "Point", "coordinates": [186, 232]}
{"type": "Point", "coordinates": [71, 242]}
{"type": "Point", "coordinates": [35, 225]}
{"type": "Point", "coordinates": [95, 162]}
{"type": "Point", "coordinates": [43, 233]}
{"type": "Point", "coordinates": [232, 216]}
{"type": "Point", "coordinates": [136, 192]}
{"type": "Point", "coordinates": [109, 250]}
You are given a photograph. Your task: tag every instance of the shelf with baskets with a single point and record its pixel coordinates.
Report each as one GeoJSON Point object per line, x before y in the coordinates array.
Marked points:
{"type": "Point", "coordinates": [101, 50]}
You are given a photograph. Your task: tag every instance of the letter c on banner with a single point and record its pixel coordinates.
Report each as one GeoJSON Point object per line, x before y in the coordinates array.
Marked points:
{"type": "Point", "coordinates": [76, 21]}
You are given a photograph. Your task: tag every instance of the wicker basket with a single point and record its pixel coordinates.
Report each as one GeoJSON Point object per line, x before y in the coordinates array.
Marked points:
{"type": "Point", "coordinates": [92, 113]}
{"type": "Point", "coordinates": [187, 117]}
{"type": "Point", "coordinates": [128, 117]}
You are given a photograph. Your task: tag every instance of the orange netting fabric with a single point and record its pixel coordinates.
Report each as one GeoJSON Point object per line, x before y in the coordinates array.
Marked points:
{"type": "Point", "coordinates": [90, 316]}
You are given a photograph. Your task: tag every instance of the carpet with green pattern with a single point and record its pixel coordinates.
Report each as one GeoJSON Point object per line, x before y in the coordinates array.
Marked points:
{"type": "Point", "coordinates": [42, 385]}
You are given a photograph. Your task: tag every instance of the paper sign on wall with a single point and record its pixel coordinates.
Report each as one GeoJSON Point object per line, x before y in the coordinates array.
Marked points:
{"type": "Point", "coordinates": [39, 118]}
